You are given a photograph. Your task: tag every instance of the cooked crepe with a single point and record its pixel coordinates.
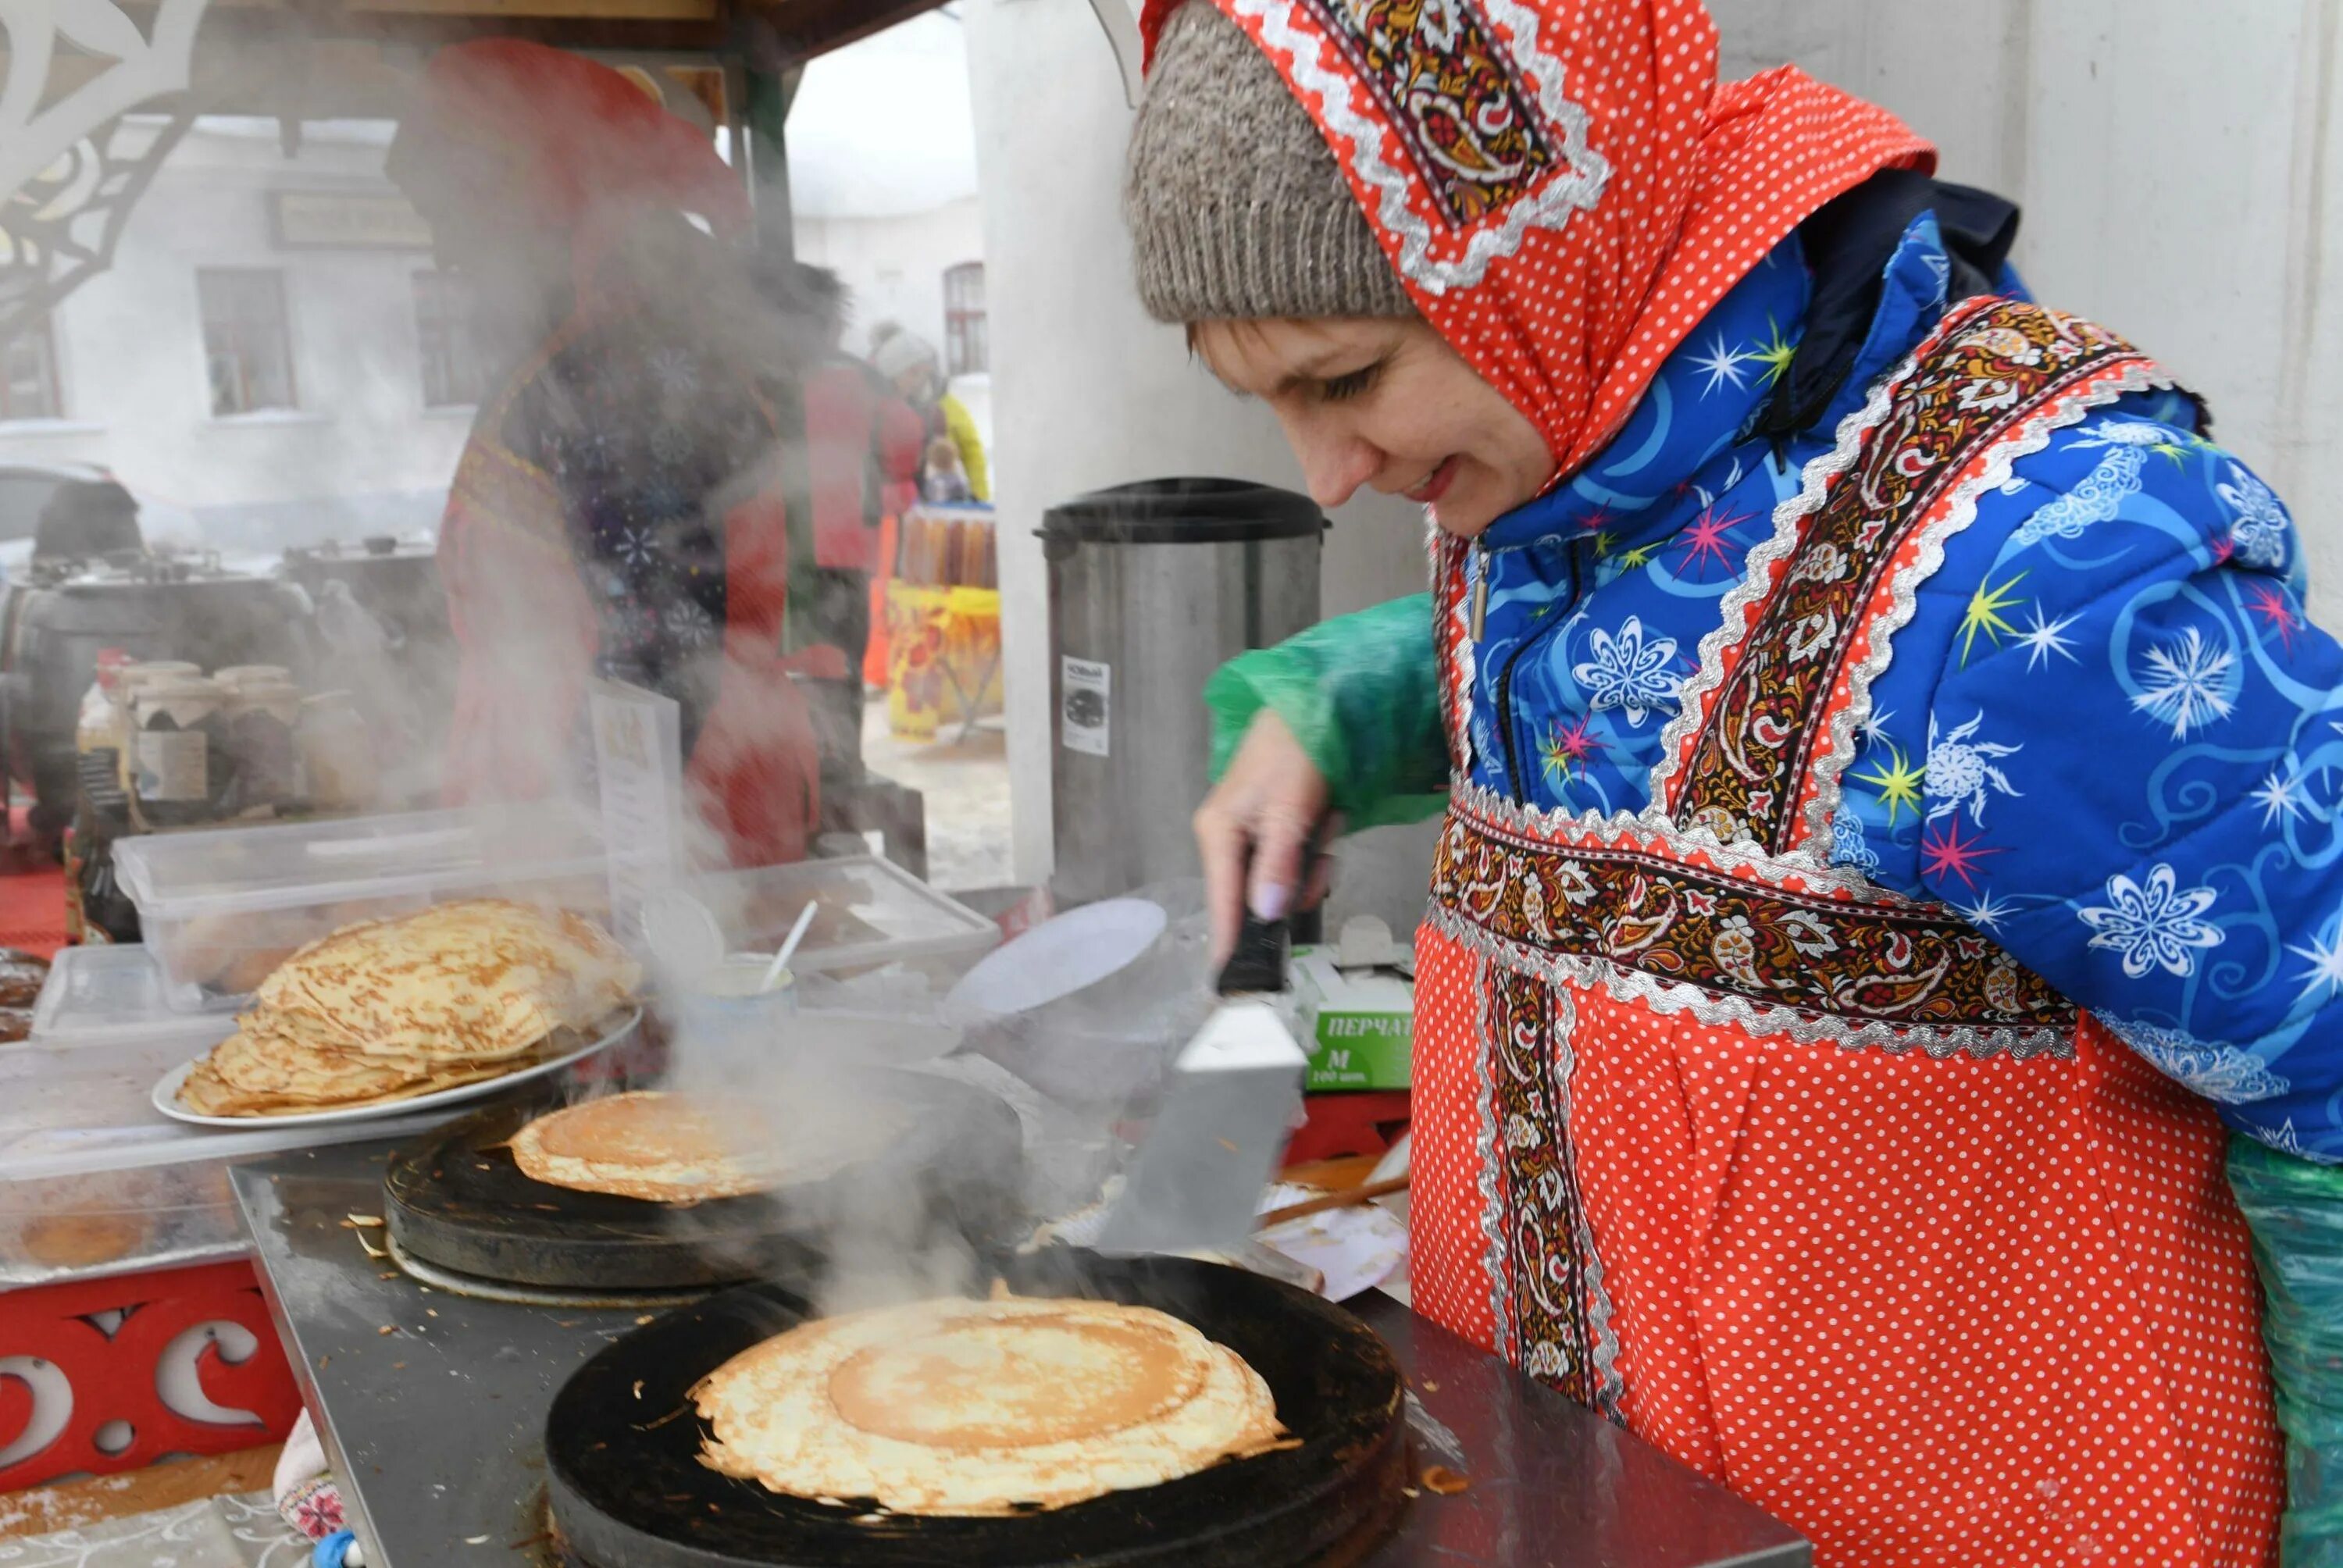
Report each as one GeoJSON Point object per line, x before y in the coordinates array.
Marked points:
{"type": "Point", "coordinates": [666, 1148]}
{"type": "Point", "coordinates": [474, 980]}
{"type": "Point", "coordinates": [963, 1407]}
{"type": "Point", "coordinates": [390, 1009]}
{"type": "Point", "coordinates": [671, 1148]}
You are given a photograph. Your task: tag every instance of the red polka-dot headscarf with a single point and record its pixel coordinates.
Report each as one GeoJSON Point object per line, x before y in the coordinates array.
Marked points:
{"type": "Point", "coordinates": [1564, 187]}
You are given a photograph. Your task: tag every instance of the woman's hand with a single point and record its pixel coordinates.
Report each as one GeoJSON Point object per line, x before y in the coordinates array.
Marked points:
{"type": "Point", "coordinates": [1252, 829]}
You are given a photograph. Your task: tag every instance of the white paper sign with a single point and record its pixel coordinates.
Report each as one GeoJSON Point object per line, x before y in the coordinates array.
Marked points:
{"type": "Point", "coordinates": [1085, 705]}
{"type": "Point", "coordinates": [638, 760]}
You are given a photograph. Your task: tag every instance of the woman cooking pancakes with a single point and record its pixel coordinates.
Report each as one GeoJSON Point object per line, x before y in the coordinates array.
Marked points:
{"type": "Point", "coordinates": [617, 510]}
{"type": "Point", "coordinates": [1884, 759]}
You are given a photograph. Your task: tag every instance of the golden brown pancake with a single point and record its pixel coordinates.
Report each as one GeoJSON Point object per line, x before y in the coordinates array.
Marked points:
{"type": "Point", "coordinates": [961, 1407]}
{"type": "Point", "coordinates": [392, 1008]}
{"type": "Point", "coordinates": [665, 1148]}
{"type": "Point", "coordinates": [475, 980]}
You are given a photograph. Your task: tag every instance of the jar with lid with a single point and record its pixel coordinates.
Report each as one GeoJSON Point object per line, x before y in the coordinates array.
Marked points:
{"type": "Point", "coordinates": [337, 752]}
{"type": "Point", "coordinates": [235, 676]}
{"type": "Point", "coordinates": [178, 727]}
{"type": "Point", "coordinates": [263, 764]}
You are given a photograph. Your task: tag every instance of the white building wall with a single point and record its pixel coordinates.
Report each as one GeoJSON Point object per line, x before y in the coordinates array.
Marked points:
{"type": "Point", "coordinates": [1086, 390]}
{"type": "Point", "coordinates": [360, 451]}
{"type": "Point", "coordinates": [895, 265]}
{"type": "Point", "coordinates": [2177, 164]}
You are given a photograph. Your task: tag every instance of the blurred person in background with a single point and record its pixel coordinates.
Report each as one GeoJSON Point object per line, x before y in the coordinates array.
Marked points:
{"type": "Point", "coordinates": [909, 364]}
{"type": "Point", "coordinates": [84, 519]}
{"type": "Point", "coordinates": [860, 442]}
{"type": "Point", "coordinates": [615, 512]}
{"type": "Point", "coordinates": [942, 478]}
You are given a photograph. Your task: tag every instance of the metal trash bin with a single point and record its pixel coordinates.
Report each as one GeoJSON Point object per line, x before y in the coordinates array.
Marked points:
{"type": "Point", "coordinates": [1152, 587]}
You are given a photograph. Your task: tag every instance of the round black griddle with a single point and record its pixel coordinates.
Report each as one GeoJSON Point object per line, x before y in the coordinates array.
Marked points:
{"type": "Point", "coordinates": [627, 1489]}
{"type": "Point", "coordinates": [456, 1200]}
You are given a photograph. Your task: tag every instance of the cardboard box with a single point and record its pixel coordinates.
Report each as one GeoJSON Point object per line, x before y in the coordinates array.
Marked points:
{"type": "Point", "coordinates": [1358, 1023]}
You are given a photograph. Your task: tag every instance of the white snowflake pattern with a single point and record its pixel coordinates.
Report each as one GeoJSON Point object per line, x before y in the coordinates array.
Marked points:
{"type": "Point", "coordinates": [2258, 531]}
{"type": "Point", "coordinates": [1873, 724]}
{"type": "Point", "coordinates": [2043, 638]}
{"type": "Point", "coordinates": [2096, 497]}
{"type": "Point", "coordinates": [686, 620]}
{"type": "Point", "coordinates": [2155, 926]}
{"type": "Point", "coordinates": [1723, 364]}
{"type": "Point", "coordinates": [2285, 1138]}
{"type": "Point", "coordinates": [2185, 683]}
{"type": "Point", "coordinates": [1848, 846]}
{"type": "Point", "coordinates": [2111, 434]}
{"type": "Point", "coordinates": [2279, 796]}
{"type": "Point", "coordinates": [635, 547]}
{"type": "Point", "coordinates": [2326, 955]}
{"type": "Point", "coordinates": [1987, 914]}
{"type": "Point", "coordinates": [678, 376]}
{"type": "Point", "coordinates": [2222, 1073]}
{"type": "Point", "coordinates": [1960, 770]}
{"type": "Point", "coordinates": [1628, 672]}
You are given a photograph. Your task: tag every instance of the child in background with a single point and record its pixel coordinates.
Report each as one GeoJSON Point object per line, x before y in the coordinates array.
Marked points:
{"type": "Point", "coordinates": [941, 477]}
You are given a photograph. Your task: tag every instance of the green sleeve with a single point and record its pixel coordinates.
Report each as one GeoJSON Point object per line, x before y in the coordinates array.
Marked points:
{"type": "Point", "coordinates": [2296, 1212]}
{"type": "Point", "coordinates": [1360, 692]}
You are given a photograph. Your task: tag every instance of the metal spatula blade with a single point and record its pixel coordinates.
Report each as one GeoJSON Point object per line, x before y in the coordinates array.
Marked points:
{"type": "Point", "coordinates": [1228, 1107]}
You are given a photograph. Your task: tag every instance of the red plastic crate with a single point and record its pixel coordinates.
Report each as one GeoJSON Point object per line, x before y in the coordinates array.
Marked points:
{"type": "Point", "coordinates": [117, 1374]}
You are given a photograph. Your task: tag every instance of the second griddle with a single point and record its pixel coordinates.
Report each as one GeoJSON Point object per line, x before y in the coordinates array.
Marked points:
{"type": "Point", "coordinates": [455, 1199]}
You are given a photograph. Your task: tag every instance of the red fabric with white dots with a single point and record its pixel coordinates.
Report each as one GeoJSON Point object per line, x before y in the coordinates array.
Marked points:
{"type": "Point", "coordinates": [1704, 178]}
{"type": "Point", "coordinates": [1932, 1314]}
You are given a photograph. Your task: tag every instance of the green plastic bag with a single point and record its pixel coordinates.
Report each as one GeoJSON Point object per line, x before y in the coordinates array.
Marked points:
{"type": "Point", "coordinates": [2296, 1210]}
{"type": "Point", "coordinates": [1361, 693]}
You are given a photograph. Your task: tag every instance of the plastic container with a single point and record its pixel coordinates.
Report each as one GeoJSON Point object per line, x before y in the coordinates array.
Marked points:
{"type": "Point", "coordinates": [873, 913]}
{"type": "Point", "coordinates": [222, 908]}
{"type": "Point", "coordinates": [113, 995]}
{"type": "Point", "coordinates": [94, 1181]}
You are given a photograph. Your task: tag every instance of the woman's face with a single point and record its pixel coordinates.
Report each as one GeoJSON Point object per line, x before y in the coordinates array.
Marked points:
{"type": "Point", "coordinates": [1384, 403]}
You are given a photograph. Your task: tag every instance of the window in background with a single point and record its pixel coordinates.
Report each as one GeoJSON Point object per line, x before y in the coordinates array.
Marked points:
{"type": "Point", "coordinates": [452, 373]}
{"type": "Point", "coordinates": [247, 346]}
{"type": "Point", "coordinates": [28, 374]}
{"type": "Point", "coordinates": [967, 350]}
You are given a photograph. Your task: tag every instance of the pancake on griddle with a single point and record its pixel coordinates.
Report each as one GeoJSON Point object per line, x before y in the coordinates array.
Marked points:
{"type": "Point", "coordinates": [671, 1148]}
{"type": "Point", "coordinates": [390, 1009]}
{"type": "Point", "coordinates": [967, 1407]}
{"type": "Point", "coordinates": [665, 1148]}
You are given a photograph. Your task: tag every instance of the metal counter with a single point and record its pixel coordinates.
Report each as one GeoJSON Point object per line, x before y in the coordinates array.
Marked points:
{"type": "Point", "coordinates": [431, 1407]}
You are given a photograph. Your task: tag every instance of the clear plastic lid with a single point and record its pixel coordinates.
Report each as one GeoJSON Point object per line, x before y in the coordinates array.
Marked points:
{"type": "Point", "coordinates": [85, 1110]}
{"type": "Point", "coordinates": [99, 996]}
{"type": "Point", "coordinates": [873, 912]}
{"type": "Point", "coordinates": [234, 870]}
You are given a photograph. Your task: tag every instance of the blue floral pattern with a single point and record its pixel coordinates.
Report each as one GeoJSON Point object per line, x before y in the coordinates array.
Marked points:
{"type": "Point", "coordinates": [2107, 737]}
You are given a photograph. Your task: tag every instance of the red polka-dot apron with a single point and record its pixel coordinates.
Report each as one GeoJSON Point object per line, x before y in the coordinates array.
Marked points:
{"type": "Point", "coordinates": [1814, 1187]}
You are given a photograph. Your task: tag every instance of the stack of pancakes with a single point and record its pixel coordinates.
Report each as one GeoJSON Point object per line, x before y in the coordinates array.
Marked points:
{"type": "Point", "coordinates": [391, 1009]}
{"type": "Point", "coordinates": [963, 1407]}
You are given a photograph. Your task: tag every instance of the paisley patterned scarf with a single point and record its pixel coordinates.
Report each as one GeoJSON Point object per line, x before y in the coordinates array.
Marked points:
{"type": "Point", "coordinates": [1564, 185]}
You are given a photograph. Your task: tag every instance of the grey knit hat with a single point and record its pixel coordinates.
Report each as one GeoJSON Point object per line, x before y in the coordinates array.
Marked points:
{"type": "Point", "coordinates": [1236, 206]}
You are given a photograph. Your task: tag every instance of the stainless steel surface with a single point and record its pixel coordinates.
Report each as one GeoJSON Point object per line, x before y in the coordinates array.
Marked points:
{"type": "Point", "coordinates": [435, 1427]}
{"type": "Point", "coordinates": [1161, 618]}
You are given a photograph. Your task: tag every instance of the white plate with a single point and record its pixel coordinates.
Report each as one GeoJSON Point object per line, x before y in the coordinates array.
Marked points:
{"type": "Point", "coordinates": [1058, 958]}
{"type": "Point", "coordinates": [166, 1093]}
